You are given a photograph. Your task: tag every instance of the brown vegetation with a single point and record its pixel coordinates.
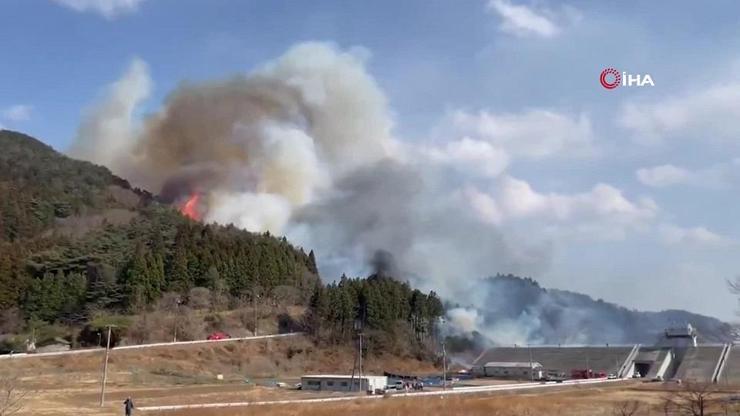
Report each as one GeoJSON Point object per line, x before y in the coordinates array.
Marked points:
{"type": "Point", "coordinates": [13, 394]}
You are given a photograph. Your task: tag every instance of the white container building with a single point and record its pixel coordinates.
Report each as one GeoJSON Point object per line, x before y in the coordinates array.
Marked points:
{"type": "Point", "coordinates": [333, 382]}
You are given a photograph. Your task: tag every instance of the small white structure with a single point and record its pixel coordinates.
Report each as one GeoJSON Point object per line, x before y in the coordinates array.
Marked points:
{"type": "Point", "coordinates": [513, 369]}
{"type": "Point", "coordinates": [333, 382]}
{"type": "Point", "coordinates": [681, 336]}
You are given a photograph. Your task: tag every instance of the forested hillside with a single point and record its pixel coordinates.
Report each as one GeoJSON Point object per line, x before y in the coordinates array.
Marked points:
{"type": "Point", "coordinates": [75, 239]}
{"type": "Point", "coordinates": [39, 187]}
{"type": "Point", "coordinates": [77, 242]}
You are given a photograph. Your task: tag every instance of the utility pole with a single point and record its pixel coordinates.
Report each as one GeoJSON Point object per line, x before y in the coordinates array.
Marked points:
{"type": "Point", "coordinates": [105, 367]}
{"type": "Point", "coordinates": [254, 310]}
{"type": "Point", "coordinates": [442, 322]}
{"type": "Point", "coordinates": [174, 337]}
{"type": "Point", "coordinates": [360, 334]}
{"type": "Point", "coordinates": [531, 369]}
{"type": "Point", "coordinates": [444, 366]}
{"type": "Point", "coordinates": [357, 364]}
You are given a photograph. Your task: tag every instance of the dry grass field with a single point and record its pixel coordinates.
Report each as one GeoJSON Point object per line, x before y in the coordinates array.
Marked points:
{"type": "Point", "coordinates": [62, 385]}
{"type": "Point", "coordinates": [187, 375]}
{"type": "Point", "coordinates": [589, 401]}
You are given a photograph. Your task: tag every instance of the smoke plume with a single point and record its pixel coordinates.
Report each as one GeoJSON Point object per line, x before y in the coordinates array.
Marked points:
{"type": "Point", "coordinates": [302, 146]}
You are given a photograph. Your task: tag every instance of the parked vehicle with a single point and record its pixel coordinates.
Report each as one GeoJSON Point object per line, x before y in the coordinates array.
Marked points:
{"type": "Point", "coordinates": [554, 375]}
{"type": "Point", "coordinates": [586, 373]}
{"type": "Point", "coordinates": [218, 335]}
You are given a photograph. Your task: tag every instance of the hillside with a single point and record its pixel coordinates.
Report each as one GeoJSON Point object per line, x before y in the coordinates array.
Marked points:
{"type": "Point", "coordinates": [76, 240]}
{"type": "Point", "coordinates": [519, 310]}
{"type": "Point", "coordinates": [80, 248]}
{"type": "Point", "coordinates": [40, 189]}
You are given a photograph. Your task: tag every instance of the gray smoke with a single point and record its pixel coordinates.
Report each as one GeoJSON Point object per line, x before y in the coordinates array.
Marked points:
{"type": "Point", "coordinates": [392, 207]}
{"type": "Point", "coordinates": [302, 146]}
{"type": "Point", "coordinates": [510, 310]}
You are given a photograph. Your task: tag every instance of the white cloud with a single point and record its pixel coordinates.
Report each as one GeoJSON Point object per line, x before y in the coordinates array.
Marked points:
{"type": "Point", "coordinates": [711, 113]}
{"type": "Point", "coordinates": [469, 155]}
{"type": "Point", "coordinates": [18, 112]}
{"type": "Point", "coordinates": [718, 176]}
{"type": "Point", "coordinates": [533, 134]}
{"type": "Point", "coordinates": [603, 212]}
{"type": "Point", "coordinates": [109, 9]}
{"type": "Point", "coordinates": [700, 236]}
{"type": "Point", "coordinates": [663, 175]}
{"type": "Point", "coordinates": [518, 199]}
{"type": "Point", "coordinates": [522, 20]}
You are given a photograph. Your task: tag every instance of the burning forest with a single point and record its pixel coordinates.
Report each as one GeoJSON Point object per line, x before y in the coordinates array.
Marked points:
{"type": "Point", "coordinates": [303, 146]}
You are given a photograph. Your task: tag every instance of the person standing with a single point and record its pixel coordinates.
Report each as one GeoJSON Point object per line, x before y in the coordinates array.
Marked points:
{"type": "Point", "coordinates": [128, 406]}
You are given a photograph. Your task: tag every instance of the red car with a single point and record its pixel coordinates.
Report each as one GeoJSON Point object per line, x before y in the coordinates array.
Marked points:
{"type": "Point", "coordinates": [218, 335]}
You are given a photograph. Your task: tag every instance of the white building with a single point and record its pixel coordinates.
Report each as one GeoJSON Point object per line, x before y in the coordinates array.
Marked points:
{"type": "Point", "coordinates": [514, 370]}
{"type": "Point", "coordinates": [332, 382]}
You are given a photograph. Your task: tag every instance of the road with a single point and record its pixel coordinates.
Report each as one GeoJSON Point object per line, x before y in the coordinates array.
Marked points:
{"type": "Point", "coordinates": [142, 346]}
{"type": "Point", "coordinates": [454, 391]}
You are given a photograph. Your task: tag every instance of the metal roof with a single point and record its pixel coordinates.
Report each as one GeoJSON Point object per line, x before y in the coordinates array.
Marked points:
{"type": "Point", "coordinates": [511, 364]}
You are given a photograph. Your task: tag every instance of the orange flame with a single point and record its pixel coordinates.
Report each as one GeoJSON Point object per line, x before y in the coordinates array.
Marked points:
{"type": "Point", "coordinates": [190, 207]}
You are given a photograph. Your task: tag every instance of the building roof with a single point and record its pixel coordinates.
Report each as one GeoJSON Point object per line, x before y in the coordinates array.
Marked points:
{"type": "Point", "coordinates": [512, 364]}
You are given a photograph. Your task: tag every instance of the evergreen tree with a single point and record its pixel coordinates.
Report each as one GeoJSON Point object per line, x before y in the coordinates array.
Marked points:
{"type": "Point", "coordinates": [103, 292]}
{"type": "Point", "coordinates": [317, 311]}
{"type": "Point", "coordinates": [312, 263]}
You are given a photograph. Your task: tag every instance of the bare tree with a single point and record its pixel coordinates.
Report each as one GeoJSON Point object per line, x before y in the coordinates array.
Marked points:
{"type": "Point", "coordinates": [626, 408]}
{"type": "Point", "coordinates": [190, 326]}
{"type": "Point", "coordinates": [252, 307]}
{"type": "Point", "coordinates": [735, 288]}
{"type": "Point", "coordinates": [12, 394]}
{"type": "Point", "coordinates": [692, 399]}
{"type": "Point", "coordinates": [199, 298]}
{"type": "Point", "coordinates": [11, 321]}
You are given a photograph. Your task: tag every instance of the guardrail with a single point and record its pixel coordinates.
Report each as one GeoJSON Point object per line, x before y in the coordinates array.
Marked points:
{"type": "Point", "coordinates": [142, 346]}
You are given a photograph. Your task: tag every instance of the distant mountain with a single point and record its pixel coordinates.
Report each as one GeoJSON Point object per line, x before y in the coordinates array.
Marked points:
{"type": "Point", "coordinates": [518, 310]}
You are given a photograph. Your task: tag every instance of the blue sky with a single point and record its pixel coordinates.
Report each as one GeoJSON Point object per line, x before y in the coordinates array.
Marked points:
{"type": "Point", "coordinates": [488, 70]}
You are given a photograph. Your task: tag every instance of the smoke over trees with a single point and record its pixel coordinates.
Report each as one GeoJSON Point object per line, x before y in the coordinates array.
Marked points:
{"type": "Point", "coordinates": [303, 146]}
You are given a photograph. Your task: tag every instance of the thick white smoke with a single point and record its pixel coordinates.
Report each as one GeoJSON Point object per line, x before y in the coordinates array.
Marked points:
{"type": "Point", "coordinates": [108, 130]}
{"type": "Point", "coordinates": [303, 147]}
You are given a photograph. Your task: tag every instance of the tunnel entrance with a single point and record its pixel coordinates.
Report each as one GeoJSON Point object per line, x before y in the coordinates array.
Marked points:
{"type": "Point", "coordinates": [642, 368]}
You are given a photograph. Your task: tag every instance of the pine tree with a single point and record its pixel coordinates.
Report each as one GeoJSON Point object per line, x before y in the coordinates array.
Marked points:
{"type": "Point", "coordinates": [317, 312]}
{"type": "Point", "coordinates": [137, 279]}
{"type": "Point", "coordinates": [103, 292]}
{"type": "Point", "coordinates": [179, 275]}
{"type": "Point", "coordinates": [312, 263]}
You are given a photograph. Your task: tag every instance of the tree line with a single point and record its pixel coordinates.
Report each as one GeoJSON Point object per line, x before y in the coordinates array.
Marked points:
{"type": "Point", "coordinates": [124, 268]}
{"type": "Point", "coordinates": [392, 312]}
